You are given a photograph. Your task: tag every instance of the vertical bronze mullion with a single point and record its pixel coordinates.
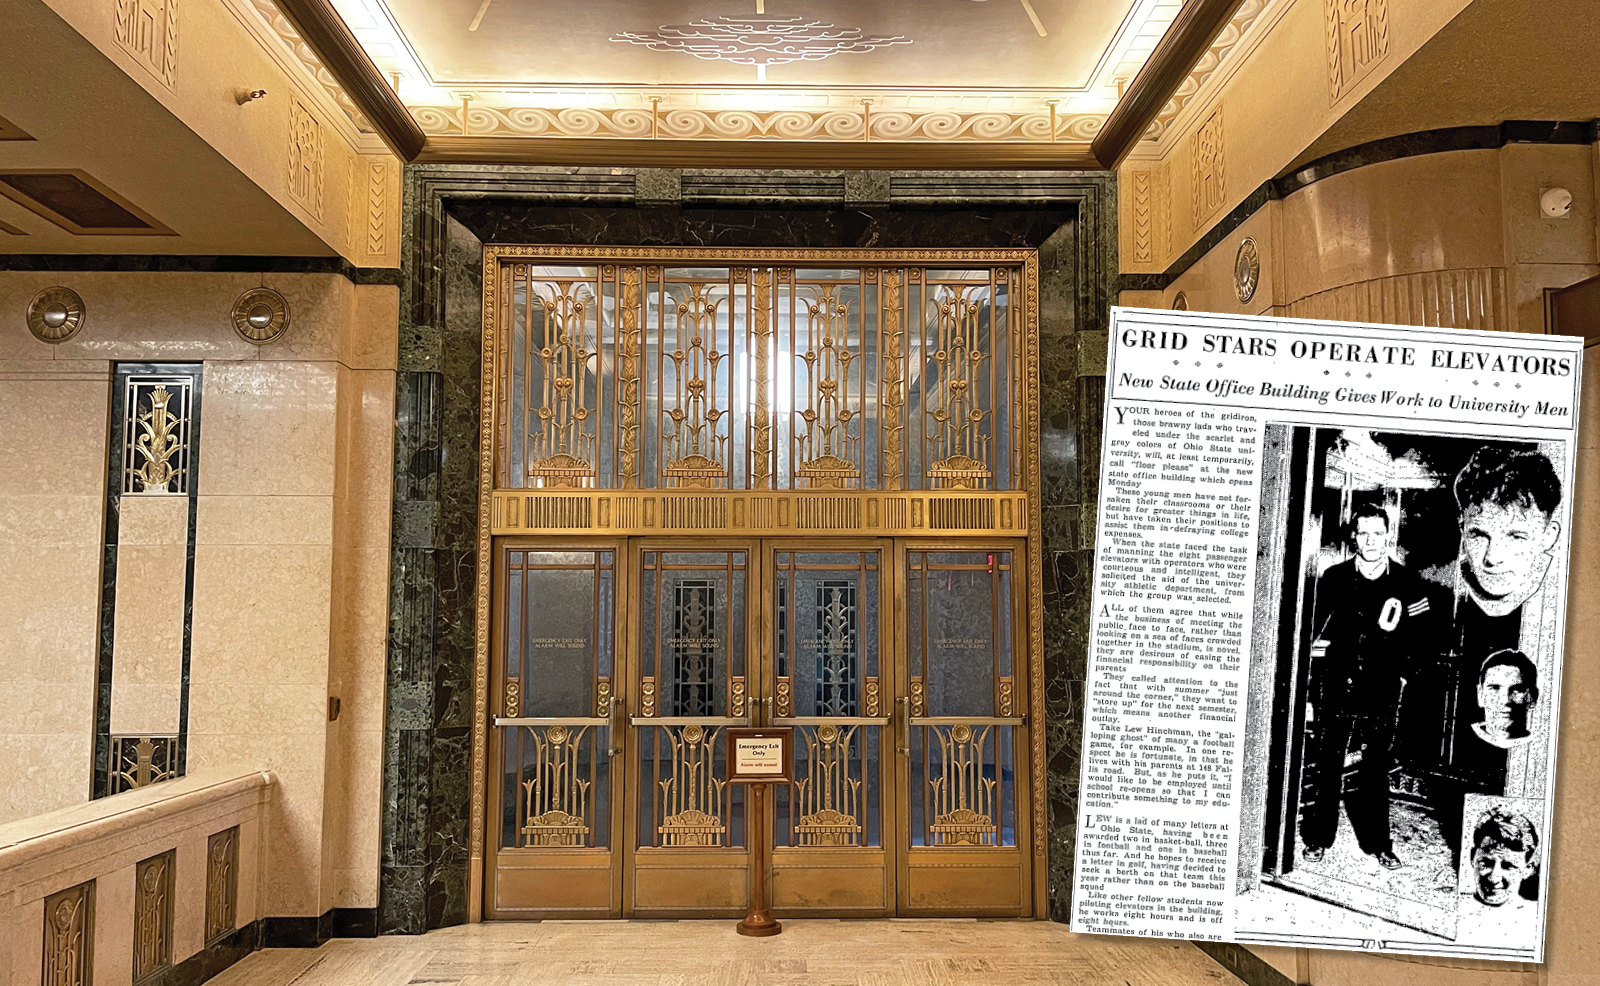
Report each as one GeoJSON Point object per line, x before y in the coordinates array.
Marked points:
{"type": "Point", "coordinates": [860, 458]}
{"type": "Point", "coordinates": [1017, 436]}
{"type": "Point", "coordinates": [599, 387]}
{"type": "Point", "coordinates": [743, 411]}
{"type": "Point", "coordinates": [595, 622]}
{"type": "Point", "coordinates": [527, 376]}
{"type": "Point", "coordinates": [994, 628]}
{"type": "Point", "coordinates": [794, 289]}
{"type": "Point", "coordinates": [661, 369]}
{"type": "Point", "coordinates": [994, 437]}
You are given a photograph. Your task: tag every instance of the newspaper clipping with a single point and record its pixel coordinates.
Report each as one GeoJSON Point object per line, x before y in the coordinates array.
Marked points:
{"type": "Point", "coordinates": [1325, 658]}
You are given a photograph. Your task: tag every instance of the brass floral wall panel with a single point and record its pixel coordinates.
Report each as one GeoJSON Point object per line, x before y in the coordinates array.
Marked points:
{"type": "Point", "coordinates": [152, 915]}
{"type": "Point", "coordinates": [222, 883]}
{"type": "Point", "coordinates": [69, 937]}
{"type": "Point", "coordinates": [156, 444]}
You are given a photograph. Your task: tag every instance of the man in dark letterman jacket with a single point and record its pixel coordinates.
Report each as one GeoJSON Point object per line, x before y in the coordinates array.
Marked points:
{"type": "Point", "coordinates": [1367, 614]}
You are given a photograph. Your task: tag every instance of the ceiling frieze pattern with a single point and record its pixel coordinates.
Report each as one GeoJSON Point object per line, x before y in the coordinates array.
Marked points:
{"type": "Point", "coordinates": [866, 123]}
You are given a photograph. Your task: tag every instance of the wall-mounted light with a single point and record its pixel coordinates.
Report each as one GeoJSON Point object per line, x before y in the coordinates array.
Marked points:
{"type": "Point", "coordinates": [1556, 203]}
{"type": "Point", "coordinates": [242, 96]}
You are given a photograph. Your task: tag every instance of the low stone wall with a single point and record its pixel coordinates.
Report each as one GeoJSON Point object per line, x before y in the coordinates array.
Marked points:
{"type": "Point", "coordinates": [160, 885]}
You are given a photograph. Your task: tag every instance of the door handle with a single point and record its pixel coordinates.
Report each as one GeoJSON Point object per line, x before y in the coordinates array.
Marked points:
{"type": "Point", "coordinates": [768, 703]}
{"type": "Point", "coordinates": [903, 747]}
{"type": "Point", "coordinates": [618, 723]}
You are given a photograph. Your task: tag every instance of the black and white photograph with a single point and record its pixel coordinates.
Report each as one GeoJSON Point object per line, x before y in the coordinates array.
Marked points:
{"type": "Point", "coordinates": [1405, 586]}
{"type": "Point", "coordinates": [1500, 886]}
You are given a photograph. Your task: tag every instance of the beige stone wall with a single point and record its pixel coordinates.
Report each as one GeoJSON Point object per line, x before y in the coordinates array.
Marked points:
{"type": "Point", "coordinates": [291, 552]}
{"type": "Point", "coordinates": [52, 508]}
{"type": "Point", "coordinates": [1453, 239]}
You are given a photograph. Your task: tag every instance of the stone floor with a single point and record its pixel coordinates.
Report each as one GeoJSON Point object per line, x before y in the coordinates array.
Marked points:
{"type": "Point", "coordinates": [709, 953]}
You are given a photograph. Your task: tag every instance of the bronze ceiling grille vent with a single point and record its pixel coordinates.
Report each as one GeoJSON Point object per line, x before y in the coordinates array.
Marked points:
{"type": "Point", "coordinates": [79, 204]}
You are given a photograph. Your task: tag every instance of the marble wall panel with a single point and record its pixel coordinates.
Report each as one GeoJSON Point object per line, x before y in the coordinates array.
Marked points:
{"type": "Point", "coordinates": [270, 428]}
{"type": "Point", "coordinates": [52, 509]}
{"type": "Point", "coordinates": [360, 604]}
{"type": "Point", "coordinates": [369, 338]}
{"type": "Point", "coordinates": [147, 676]}
{"type": "Point", "coordinates": [264, 581]}
{"type": "Point", "coordinates": [113, 927]}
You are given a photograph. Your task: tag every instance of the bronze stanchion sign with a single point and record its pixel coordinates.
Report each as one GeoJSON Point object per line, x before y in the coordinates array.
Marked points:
{"type": "Point", "coordinates": [760, 757]}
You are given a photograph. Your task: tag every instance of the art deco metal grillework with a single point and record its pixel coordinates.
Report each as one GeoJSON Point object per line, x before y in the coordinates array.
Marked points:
{"type": "Point", "coordinates": [138, 761]}
{"type": "Point", "coordinates": [639, 397]}
{"type": "Point", "coordinates": [156, 434]}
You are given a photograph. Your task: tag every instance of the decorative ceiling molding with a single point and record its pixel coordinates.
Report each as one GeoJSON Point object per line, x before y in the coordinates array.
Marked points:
{"type": "Point", "coordinates": [281, 26]}
{"type": "Point", "coordinates": [866, 124]}
{"type": "Point", "coordinates": [898, 155]}
{"type": "Point", "coordinates": [329, 39]}
{"type": "Point", "coordinates": [1235, 30]}
{"type": "Point", "coordinates": [1198, 24]}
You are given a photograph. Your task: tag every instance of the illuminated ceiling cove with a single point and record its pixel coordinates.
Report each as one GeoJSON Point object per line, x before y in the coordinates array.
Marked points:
{"type": "Point", "coordinates": [937, 70]}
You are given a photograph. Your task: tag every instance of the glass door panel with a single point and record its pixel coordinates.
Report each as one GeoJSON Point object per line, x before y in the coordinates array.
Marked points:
{"type": "Point", "coordinates": [828, 618]}
{"type": "Point", "coordinates": [554, 804]}
{"type": "Point", "coordinates": [963, 724]}
{"type": "Point", "coordinates": [689, 845]}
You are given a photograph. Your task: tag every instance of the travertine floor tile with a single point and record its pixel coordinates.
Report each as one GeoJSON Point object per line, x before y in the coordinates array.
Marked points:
{"type": "Point", "coordinates": [709, 953]}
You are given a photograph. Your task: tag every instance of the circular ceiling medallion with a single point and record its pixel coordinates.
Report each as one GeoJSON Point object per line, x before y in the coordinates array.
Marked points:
{"type": "Point", "coordinates": [55, 315]}
{"type": "Point", "coordinates": [1180, 303]}
{"type": "Point", "coordinates": [1246, 270]}
{"type": "Point", "coordinates": [261, 316]}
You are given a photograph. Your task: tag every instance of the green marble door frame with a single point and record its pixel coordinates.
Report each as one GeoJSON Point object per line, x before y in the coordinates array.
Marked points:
{"type": "Point", "coordinates": [452, 210]}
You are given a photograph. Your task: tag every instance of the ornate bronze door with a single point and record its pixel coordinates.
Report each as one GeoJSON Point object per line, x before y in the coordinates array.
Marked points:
{"type": "Point", "coordinates": [753, 487]}
{"type": "Point", "coordinates": [553, 841]}
{"type": "Point", "coordinates": [696, 641]}
{"type": "Point", "coordinates": [830, 674]}
{"type": "Point", "coordinates": [964, 732]}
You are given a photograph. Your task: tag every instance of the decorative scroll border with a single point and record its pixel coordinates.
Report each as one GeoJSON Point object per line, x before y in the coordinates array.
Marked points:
{"type": "Point", "coordinates": [693, 123]}
{"type": "Point", "coordinates": [493, 254]}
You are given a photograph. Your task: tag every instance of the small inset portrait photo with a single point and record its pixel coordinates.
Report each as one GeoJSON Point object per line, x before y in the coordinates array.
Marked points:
{"type": "Point", "coordinates": [1508, 689]}
{"type": "Point", "coordinates": [1498, 904]}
